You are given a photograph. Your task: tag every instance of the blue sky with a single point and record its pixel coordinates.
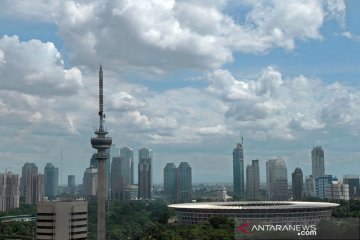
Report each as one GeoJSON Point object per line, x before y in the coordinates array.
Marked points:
{"type": "Point", "coordinates": [185, 78]}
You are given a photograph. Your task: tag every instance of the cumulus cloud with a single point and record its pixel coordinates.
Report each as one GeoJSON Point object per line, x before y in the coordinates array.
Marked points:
{"type": "Point", "coordinates": [35, 67]}
{"type": "Point", "coordinates": [271, 106]}
{"type": "Point", "coordinates": [160, 36]}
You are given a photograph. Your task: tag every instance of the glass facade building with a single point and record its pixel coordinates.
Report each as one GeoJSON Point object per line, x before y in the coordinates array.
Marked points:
{"type": "Point", "coordinates": [238, 171]}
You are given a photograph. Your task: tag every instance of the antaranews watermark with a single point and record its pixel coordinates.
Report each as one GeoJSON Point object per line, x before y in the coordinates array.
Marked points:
{"type": "Point", "coordinates": [334, 228]}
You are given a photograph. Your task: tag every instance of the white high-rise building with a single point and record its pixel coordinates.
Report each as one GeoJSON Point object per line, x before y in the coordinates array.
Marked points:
{"type": "Point", "coordinates": [58, 220]}
{"type": "Point", "coordinates": [337, 191]}
{"type": "Point", "coordinates": [9, 191]}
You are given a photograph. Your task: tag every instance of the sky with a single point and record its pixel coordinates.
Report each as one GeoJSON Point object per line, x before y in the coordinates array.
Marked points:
{"type": "Point", "coordinates": [185, 78]}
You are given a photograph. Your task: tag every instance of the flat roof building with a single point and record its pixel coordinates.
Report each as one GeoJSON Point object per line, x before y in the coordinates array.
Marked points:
{"type": "Point", "coordinates": [59, 220]}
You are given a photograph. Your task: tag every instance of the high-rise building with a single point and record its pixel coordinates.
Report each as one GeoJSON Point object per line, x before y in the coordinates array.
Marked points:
{"type": "Point", "coordinates": [170, 182]}
{"type": "Point", "coordinates": [51, 177]}
{"type": "Point", "coordinates": [9, 191]}
{"type": "Point", "coordinates": [184, 183]}
{"type": "Point", "coordinates": [321, 183]}
{"type": "Point", "coordinates": [337, 191]}
{"type": "Point", "coordinates": [253, 181]}
{"type": "Point", "coordinates": [127, 156]}
{"type": "Point", "coordinates": [354, 186]}
{"type": "Point", "coordinates": [31, 184]}
{"type": "Point", "coordinates": [90, 182]}
{"type": "Point", "coordinates": [145, 173]}
{"type": "Point", "coordinates": [317, 160]}
{"type": "Point", "coordinates": [112, 152]}
{"type": "Point", "coordinates": [309, 190]}
{"type": "Point", "coordinates": [297, 184]}
{"type": "Point", "coordinates": [116, 179]}
{"type": "Point", "coordinates": [121, 173]}
{"type": "Point", "coordinates": [276, 176]}
{"type": "Point", "coordinates": [71, 184]}
{"type": "Point", "coordinates": [58, 220]}
{"type": "Point", "coordinates": [238, 171]}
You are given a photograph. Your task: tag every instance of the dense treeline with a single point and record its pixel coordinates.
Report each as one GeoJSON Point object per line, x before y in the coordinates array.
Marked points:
{"type": "Point", "coordinates": [149, 220]}
{"type": "Point", "coordinates": [140, 220]}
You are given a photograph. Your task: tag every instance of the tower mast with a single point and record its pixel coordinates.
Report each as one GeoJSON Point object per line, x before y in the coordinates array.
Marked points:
{"type": "Point", "coordinates": [101, 143]}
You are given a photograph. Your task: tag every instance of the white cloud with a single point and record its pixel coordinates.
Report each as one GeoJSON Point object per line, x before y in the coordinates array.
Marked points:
{"type": "Point", "coordinates": [159, 36]}
{"type": "Point", "coordinates": [271, 106]}
{"type": "Point", "coordinates": [35, 67]}
{"type": "Point", "coordinates": [350, 35]}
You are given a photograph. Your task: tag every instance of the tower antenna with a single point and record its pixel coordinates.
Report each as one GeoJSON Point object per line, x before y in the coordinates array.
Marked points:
{"type": "Point", "coordinates": [101, 143]}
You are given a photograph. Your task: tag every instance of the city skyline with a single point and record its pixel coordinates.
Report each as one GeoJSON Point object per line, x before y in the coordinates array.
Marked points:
{"type": "Point", "coordinates": [184, 87]}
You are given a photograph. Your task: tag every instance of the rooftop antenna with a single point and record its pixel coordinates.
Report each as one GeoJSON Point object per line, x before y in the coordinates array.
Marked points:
{"type": "Point", "coordinates": [242, 140]}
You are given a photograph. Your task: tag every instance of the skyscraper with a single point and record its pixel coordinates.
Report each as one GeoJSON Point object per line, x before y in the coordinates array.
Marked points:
{"type": "Point", "coordinates": [170, 182]}
{"type": "Point", "coordinates": [9, 191]}
{"type": "Point", "coordinates": [297, 184]}
{"type": "Point", "coordinates": [31, 184]}
{"type": "Point", "coordinates": [145, 173]}
{"type": "Point", "coordinates": [309, 186]}
{"type": "Point", "coordinates": [127, 154]}
{"type": "Point", "coordinates": [253, 181]}
{"type": "Point", "coordinates": [276, 176]}
{"type": "Point", "coordinates": [317, 160]}
{"type": "Point", "coordinates": [112, 152]}
{"type": "Point", "coordinates": [121, 173]}
{"type": "Point", "coordinates": [101, 143]}
{"type": "Point", "coordinates": [127, 165]}
{"type": "Point", "coordinates": [183, 183]}
{"type": "Point", "coordinates": [51, 177]}
{"type": "Point", "coordinates": [238, 171]}
{"type": "Point", "coordinates": [354, 186]}
{"type": "Point", "coordinates": [71, 184]}
{"type": "Point", "coordinates": [90, 182]}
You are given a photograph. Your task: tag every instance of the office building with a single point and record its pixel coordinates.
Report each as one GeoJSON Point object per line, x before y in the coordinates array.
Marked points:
{"type": "Point", "coordinates": [59, 220]}
{"type": "Point", "coordinates": [309, 189]}
{"type": "Point", "coordinates": [51, 177]}
{"type": "Point", "coordinates": [276, 177]}
{"type": "Point", "coordinates": [221, 195]}
{"type": "Point", "coordinates": [297, 184]}
{"type": "Point", "coordinates": [112, 152]}
{"type": "Point", "coordinates": [131, 192]}
{"type": "Point", "coordinates": [253, 181]}
{"type": "Point", "coordinates": [9, 191]}
{"type": "Point", "coordinates": [317, 161]}
{"type": "Point", "coordinates": [238, 171]}
{"type": "Point", "coordinates": [90, 182]}
{"type": "Point", "coordinates": [145, 174]}
{"type": "Point", "coordinates": [321, 183]}
{"type": "Point", "coordinates": [184, 183]}
{"type": "Point", "coordinates": [337, 191]}
{"type": "Point", "coordinates": [31, 184]}
{"type": "Point", "coordinates": [354, 186]}
{"type": "Point", "coordinates": [127, 156]}
{"type": "Point", "coordinates": [121, 173]}
{"type": "Point", "coordinates": [71, 184]}
{"type": "Point", "coordinates": [170, 171]}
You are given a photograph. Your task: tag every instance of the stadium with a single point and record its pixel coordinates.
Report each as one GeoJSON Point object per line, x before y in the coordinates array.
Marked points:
{"type": "Point", "coordinates": [267, 212]}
